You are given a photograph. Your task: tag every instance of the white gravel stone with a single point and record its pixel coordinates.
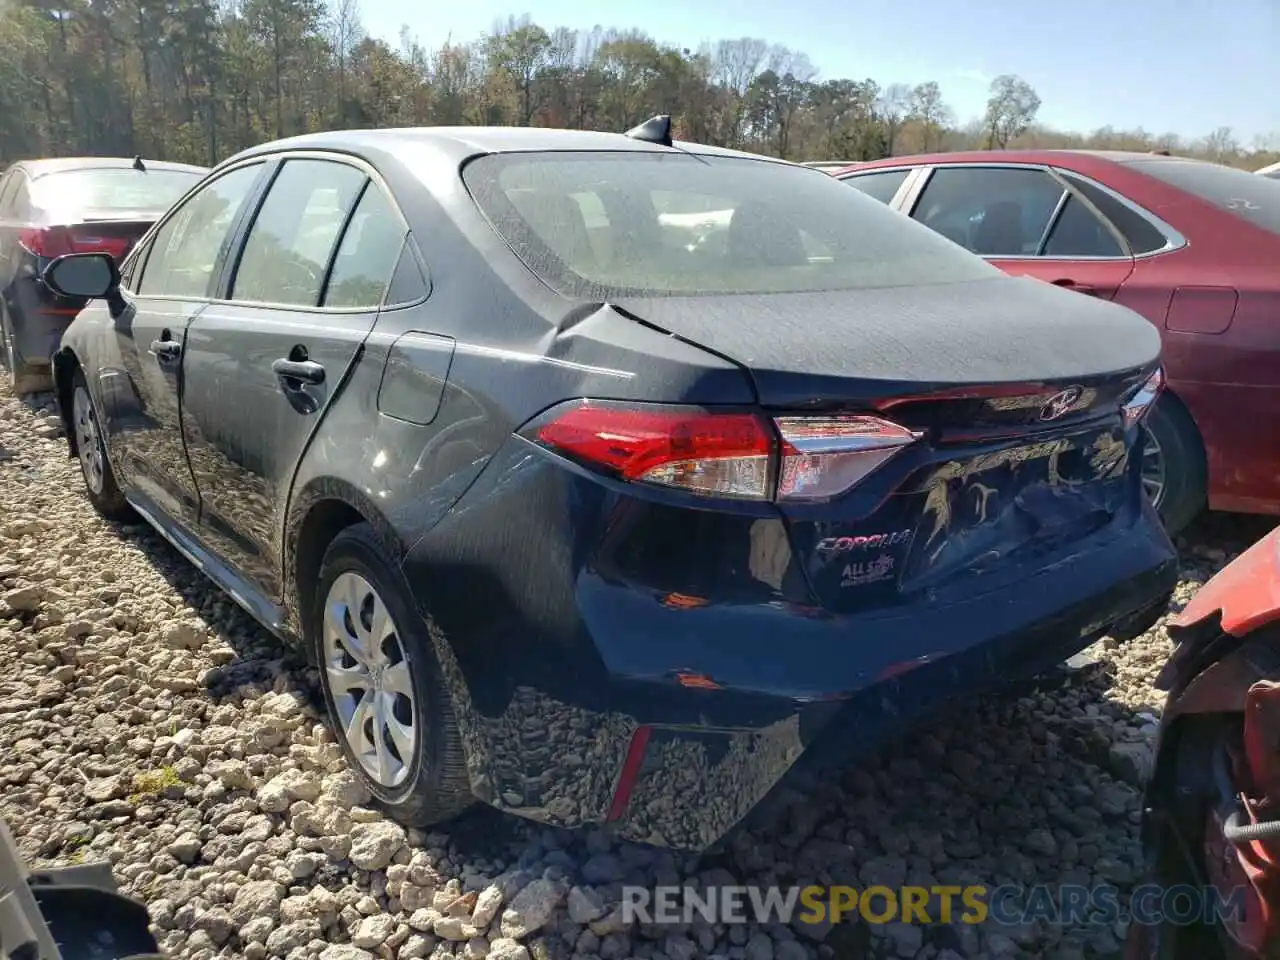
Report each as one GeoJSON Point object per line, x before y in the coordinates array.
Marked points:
{"type": "Point", "coordinates": [374, 931]}
{"type": "Point", "coordinates": [342, 951]}
{"type": "Point", "coordinates": [148, 722]}
{"type": "Point", "coordinates": [507, 949]}
{"type": "Point", "coordinates": [532, 908]}
{"type": "Point", "coordinates": [374, 845]}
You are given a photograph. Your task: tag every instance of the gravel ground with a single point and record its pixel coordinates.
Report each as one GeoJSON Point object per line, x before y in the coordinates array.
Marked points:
{"type": "Point", "coordinates": [145, 720]}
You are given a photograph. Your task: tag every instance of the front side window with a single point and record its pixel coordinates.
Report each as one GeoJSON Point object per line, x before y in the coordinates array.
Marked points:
{"type": "Point", "coordinates": [367, 255]}
{"type": "Point", "coordinates": [881, 186]}
{"type": "Point", "coordinates": [607, 224]}
{"type": "Point", "coordinates": [132, 266]}
{"type": "Point", "coordinates": [189, 245]}
{"type": "Point", "coordinates": [292, 238]}
{"type": "Point", "coordinates": [993, 211]}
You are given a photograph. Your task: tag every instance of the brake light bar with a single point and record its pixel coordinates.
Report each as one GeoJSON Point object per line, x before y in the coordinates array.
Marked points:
{"type": "Point", "coordinates": [1140, 404]}
{"type": "Point", "coordinates": [736, 455]}
{"type": "Point", "coordinates": [52, 242]}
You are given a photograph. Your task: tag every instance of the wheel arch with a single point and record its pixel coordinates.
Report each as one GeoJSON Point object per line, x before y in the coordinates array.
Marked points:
{"type": "Point", "coordinates": [318, 512]}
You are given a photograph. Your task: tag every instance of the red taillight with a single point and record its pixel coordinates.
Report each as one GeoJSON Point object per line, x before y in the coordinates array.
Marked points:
{"type": "Point", "coordinates": [726, 454]}
{"type": "Point", "coordinates": [1137, 406]}
{"type": "Point", "coordinates": [48, 242]}
{"type": "Point", "coordinates": [51, 242]}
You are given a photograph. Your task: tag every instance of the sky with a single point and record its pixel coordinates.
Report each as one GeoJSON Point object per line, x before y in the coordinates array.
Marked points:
{"type": "Point", "coordinates": [1181, 66]}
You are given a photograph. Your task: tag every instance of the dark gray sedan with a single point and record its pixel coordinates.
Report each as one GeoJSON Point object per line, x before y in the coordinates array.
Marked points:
{"type": "Point", "coordinates": [602, 476]}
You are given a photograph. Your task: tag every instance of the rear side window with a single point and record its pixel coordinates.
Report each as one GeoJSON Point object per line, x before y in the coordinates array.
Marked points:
{"type": "Point", "coordinates": [879, 186]}
{"type": "Point", "coordinates": [112, 189]}
{"type": "Point", "coordinates": [408, 285]}
{"type": "Point", "coordinates": [292, 238]}
{"type": "Point", "coordinates": [1141, 235]}
{"type": "Point", "coordinates": [1242, 194]}
{"type": "Point", "coordinates": [600, 225]}
{"type": "Point", "coordinates": [1079, 233]}
{"type": "Point", "coordinates": [367, 254]}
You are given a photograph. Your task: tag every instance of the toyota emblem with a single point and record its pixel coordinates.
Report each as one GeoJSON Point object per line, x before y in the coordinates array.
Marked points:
{"type": "Point", "coordinates": [1060, 404]}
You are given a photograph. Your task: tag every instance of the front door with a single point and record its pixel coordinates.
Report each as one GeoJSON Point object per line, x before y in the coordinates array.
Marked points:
{"type": "Point", "coordinates": [171, 280]}
{"type": "Point", "coordinates": [1025, 221]}
{"type": "Point", "coordinates": [263, 365]}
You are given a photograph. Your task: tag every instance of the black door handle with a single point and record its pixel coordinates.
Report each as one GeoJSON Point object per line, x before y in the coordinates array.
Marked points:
{"type": "Point", "coordinates": [166, 349]}
{"type": "Point", "coordinates": [1068, 284]}
{"type": "Point", "coordinates": [298, 371]}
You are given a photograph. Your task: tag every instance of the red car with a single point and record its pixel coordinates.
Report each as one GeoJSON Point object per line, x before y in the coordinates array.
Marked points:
{"type": "Point", "coordinates": [1212, 805]}
{"type": "Point", "coordinates": [1194, 247]}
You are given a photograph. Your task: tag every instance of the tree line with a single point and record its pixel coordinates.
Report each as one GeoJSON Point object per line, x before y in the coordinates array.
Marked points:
{"type": "Point", "coordinates": [198, 80]}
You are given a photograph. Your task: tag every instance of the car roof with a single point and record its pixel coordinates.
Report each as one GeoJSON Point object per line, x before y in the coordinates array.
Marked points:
{"type": "Point", "coordinates": [462, 143]}
{"type": "Point", "coordinates": [1047, 156]}
{"type": "Point", "coordinates": [39, 168]}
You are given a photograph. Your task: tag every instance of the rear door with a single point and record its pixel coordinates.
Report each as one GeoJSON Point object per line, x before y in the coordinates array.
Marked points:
{"type": "Point", "coordinates": [1025, 220]}
{"type": "Point", "coordinates": [264, 362]}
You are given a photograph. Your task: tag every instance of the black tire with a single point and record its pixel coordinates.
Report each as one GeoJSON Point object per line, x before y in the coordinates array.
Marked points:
{"type": "Point", "coordinates": [436, 787]}
{"type": "Point", "coordinates": [106, 497]}
{"type": "Point", "coordinates": [1186, 469]}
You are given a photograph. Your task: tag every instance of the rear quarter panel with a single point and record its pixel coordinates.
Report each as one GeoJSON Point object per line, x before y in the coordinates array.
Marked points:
{"type": "Point", "coordinates": [1224, 365]}
{"type": "Point", "coordinates": [515, 349]}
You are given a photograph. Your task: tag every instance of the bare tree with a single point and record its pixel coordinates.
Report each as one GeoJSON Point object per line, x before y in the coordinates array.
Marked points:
{"type": "Point", "coordinates": [1221, 145]}
{"type": "Point", "coordinates": [735, 63]}
{"type": "Point", "coordinates": [521, 50]}
{"type": "Point", "coordinates": [929, 110]}
{"type": "Point", "coordinates": [345, 32]}
{"type": "Point", "coordinates": [894, 102]}
{"type": "Point", "coordinates": [734, 66]}
{"type": "Point", "coordinates": [1011, 109]}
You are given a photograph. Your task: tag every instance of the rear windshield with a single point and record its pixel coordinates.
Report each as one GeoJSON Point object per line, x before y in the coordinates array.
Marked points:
{"type": "Point", "coordinates": [112, 189]}
{"type": "Point", "coordinates": [1247, 195]}
{"type": "Point", "coordinates": [607, 225]}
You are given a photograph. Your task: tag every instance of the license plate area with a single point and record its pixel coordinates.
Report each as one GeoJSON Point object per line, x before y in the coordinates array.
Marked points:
{"type": "Point", "coordinates": [1000, 506]}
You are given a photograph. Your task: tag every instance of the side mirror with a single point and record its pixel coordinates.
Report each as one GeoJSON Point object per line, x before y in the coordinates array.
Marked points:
{"type": "Point", "coordinates": [83, 275]}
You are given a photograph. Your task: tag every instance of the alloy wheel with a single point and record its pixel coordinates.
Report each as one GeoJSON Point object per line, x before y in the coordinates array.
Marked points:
{"type": "Point", "coordinates": [88, 445]}
{"type": "Point", "coordinates": [369, 680]}
{"type": "Point", "coordinates": [1153, 471]}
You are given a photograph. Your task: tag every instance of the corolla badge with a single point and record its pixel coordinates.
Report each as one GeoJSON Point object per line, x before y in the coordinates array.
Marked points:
{"type": "Point", "coordinates": [1061, 403]}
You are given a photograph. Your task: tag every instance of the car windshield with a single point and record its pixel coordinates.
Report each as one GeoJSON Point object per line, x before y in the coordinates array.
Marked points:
{"type": "Point", "coordinates": [606, 225]}
{"type": "Point", "coordinates": [112, 189]}
{"type": "Point", "coordinates": [1247, 195]}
